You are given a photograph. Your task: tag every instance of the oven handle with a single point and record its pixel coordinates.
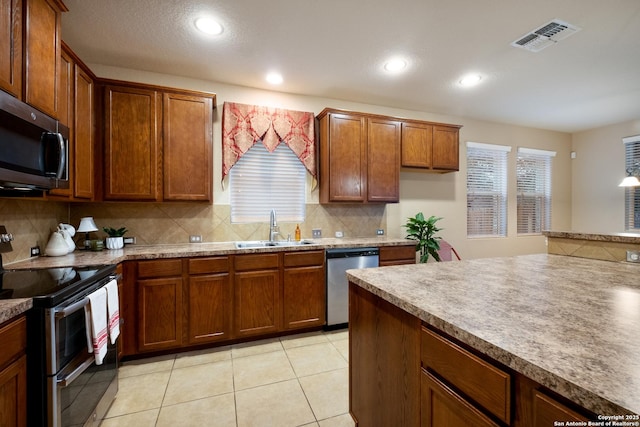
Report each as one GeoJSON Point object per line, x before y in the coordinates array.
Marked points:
{"type": "Point", "coordinates": [78, 305]}
{"type": "Point", "coordinates": [68, 379]}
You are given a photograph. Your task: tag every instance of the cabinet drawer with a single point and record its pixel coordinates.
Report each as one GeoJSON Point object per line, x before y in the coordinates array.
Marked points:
{"type": "Point", "coordinates": [482, 382]}
{"type": "Point", "coordinates": [547, 410]}
{"type": "Point", "coordinates": [302, 259]}
{"type": "Point", "coordinates": [209, 265]}
{"type": "Point", "coordinates": [256, 262]}
{"type": "Point", "coordinates": [13, 336]}
{"type": "Point", "coordinates": [397, 253]}
{"type": "Point", "coordinates": [159, 268]}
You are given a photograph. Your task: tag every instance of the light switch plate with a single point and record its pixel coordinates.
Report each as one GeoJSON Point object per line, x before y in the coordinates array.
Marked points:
{"type": "Point", "coordinates": [316, 233]}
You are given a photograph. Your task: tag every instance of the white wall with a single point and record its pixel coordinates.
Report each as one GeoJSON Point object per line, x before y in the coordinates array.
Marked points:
{"type": "Point", "coordinates": [598, 202]}
{"type": "Point", "coordinates": [433, 194]}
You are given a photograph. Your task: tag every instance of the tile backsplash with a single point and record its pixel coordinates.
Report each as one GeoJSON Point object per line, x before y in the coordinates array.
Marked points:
{"type": "Point", "coordinates": [31, 223]}
{"type": "Point", "coordinates": [165, 223]}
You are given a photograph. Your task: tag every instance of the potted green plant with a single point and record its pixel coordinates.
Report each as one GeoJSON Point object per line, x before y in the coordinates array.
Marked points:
{"type": "Point", "coordinates": [424, 231]}
{"type": "Point", "coordinates": [115, 239]}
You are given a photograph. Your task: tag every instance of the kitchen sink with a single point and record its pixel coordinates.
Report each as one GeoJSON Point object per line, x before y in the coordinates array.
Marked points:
{"type": "Point", "coordinates": [254, 244]}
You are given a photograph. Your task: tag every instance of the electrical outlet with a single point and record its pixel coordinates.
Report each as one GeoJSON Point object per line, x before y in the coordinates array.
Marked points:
{"type": "Point", "coordinates": [380, 231]}
{"type": "Point", "coordinates": [129, 240]}
{"type": "Point", "coordinates": [633, 256]}
{"type": "Point", "coordinates": [35, 251]}
{"type": "Point", "coordinates": [339, 234]}
{"type": "Point", "coordinates": [316, 233]}
{"type": "Point", "coordinates": [195, 238]}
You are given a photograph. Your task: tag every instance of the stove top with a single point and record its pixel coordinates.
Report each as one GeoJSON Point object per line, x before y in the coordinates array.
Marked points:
{"type": "Point", "coordinates": [49, 287]}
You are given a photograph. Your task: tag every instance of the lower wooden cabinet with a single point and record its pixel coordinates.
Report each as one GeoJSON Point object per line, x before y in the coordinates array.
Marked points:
{"type": "Point", "coordinates": [397, 255]}
{"type": "Point", "coordinates": [304, 299]}
{"type": "Point", "coordinates": [257, 300]}
{"type": "Point", "coordinates": [208, 307]}
{"type": "Point", "coordinates": [13, 373]}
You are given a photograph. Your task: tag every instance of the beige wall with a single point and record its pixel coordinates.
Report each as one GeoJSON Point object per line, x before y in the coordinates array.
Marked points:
{"type": "Point", "coordinates": [440, 195]}
{"type": "Point", "coordinates": [597, 201]}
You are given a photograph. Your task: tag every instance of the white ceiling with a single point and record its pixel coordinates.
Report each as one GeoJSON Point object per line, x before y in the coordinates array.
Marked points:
{"type": "Point", "coordinates": [336, 49]}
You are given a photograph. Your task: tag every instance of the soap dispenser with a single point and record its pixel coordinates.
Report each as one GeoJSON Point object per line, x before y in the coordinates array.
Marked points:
{"type": "Point", "coordinates": [297, 232]}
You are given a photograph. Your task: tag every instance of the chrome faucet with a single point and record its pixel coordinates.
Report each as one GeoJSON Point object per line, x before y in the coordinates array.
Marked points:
{"type": "Point", "coordinates": [273, 226]}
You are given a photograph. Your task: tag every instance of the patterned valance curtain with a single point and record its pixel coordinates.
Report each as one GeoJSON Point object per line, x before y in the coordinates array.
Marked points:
{"type": "Point", "coordinates": [244, 125]}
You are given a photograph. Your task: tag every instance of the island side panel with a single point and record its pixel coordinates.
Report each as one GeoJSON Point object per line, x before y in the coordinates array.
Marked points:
{"type": "Point", "coordinates": [384, 362]}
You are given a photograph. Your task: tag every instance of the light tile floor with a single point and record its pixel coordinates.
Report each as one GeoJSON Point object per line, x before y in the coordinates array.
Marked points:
{"type": "Point", "coordinates": [299, 380]}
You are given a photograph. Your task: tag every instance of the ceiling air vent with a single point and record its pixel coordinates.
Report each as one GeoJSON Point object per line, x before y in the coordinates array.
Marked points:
{"type": "Point", "coordinates": [545, 36]}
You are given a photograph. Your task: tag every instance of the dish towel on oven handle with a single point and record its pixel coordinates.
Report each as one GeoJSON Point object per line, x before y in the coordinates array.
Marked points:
{"type": "Point", "coordinates": [96, 318]}
{"type": "Point", "coordinates": [113, 310]}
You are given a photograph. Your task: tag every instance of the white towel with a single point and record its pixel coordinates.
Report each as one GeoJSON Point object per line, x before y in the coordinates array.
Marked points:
{"type": "Point", "coordinates": [113, 310]}
{"type": "Point", "coordinates": [96, 319]}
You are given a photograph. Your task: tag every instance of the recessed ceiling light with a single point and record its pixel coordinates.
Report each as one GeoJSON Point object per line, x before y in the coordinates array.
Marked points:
{"type": "Point", "coordinates": [209, 26]}
{"type": "Point", "coordinates": [395, 65]}
{"type": "Point", "coordinates": [470, 80]}
{"type": "Point", "coordinates": [274, 78]}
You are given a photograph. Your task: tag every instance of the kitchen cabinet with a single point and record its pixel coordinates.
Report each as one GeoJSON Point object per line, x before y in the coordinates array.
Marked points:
{"type": "Point", "coordinates": [13, 373]}
{"type": "Point", "coordinates": [405, 372]}
{"type": "Point", "coordinates": [11, 47]}
{"type": "Point", "coordinates": [359, 156]}
{"type": "Point", "coordinates": [304, 298]}
{"type": "Point", "coordinates": [397, 255]}
{"type": "Point", "coordinates": [76, 111]}
{"type": "Point", "coordinates": [208, 300]}
{"type": "Point", "coordinates": [42, 53]}
{"type": "Point", "coordinates": [257, 298]}
{"type": "Point", "coordinates": [429, 146]}
{"type": "Point", "coordinates": [158, 143]}
{"type": "Point", "coordinates": [160, 311]}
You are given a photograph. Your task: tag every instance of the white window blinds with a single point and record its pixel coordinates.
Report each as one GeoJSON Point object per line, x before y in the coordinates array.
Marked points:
{"type": "Point", "coordinates": [486, 190]}
{"type": "Point", "coordinates": [261, 181]}
{"type": "Point", "coordinates": [533, 170]}
{"type": "Point", "coordinates": [631, 194]}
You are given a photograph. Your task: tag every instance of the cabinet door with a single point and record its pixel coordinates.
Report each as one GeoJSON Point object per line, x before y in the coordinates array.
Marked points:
{"type": "Point", "coordinates": [131, 144]}
{"type": "Point", "coordinates": [445, 148]}
{"type": "Point", "coordinates": [159, 313]}
{"type": "Point", "coordinates": [13, 394]}
{"type": "Point", "coordinates": [257, 302]}
{"type": "Point", "coordinates": [347, 162]}
{"type": "Point", "coordinates": [383, 160]}
{"type": "Point", "coordinates": [546, 410]}
{"type": "Point", "coordinates": [304, 297]}
{"type": "Point", "coordinates": [11, 47]}
{"type": "Point", "coordinates": [417, 140]}
{"type": "Point", "coordinates": [187, 147]}
{"type": "Point", "coordinates": [209, 308]}
{"type": "Point", "coordinates": [441, 406]}
{"type": "Point", "coordinates": [65, 115]}
{"type": "Point", "coordinates": [42, 54]}
{"type": "Point", "coordinates": [83, 131]}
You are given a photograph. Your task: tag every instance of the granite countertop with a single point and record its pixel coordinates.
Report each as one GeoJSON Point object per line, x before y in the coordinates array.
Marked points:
{"type": "Point", "coordinates": [601, 237]}
{"type": "Point", "coordinates": [78, 258]}
{"type": "Point", "coordinates": [571, 324]}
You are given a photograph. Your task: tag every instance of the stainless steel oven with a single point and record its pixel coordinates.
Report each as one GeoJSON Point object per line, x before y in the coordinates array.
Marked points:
{"type": "Point", "coordinates": [65, 386]}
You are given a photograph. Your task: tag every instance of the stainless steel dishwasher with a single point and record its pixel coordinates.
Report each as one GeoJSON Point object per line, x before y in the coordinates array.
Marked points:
{"type": "Point", "coordinates": [338, 262]}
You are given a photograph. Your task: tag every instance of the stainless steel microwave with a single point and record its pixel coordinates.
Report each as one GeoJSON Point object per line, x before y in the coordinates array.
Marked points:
{"type": "Point", "coordinates": [34, 148]}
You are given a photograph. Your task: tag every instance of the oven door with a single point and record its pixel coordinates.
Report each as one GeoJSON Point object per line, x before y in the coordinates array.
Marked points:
{"type": "Point", "coordinates": [82, 392]}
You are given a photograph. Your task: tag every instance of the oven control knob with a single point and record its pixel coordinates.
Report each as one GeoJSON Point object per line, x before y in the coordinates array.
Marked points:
{"type": "Point", "coordinates": [6, 237]}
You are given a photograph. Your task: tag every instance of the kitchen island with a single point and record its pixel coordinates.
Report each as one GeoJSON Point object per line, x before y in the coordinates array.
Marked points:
{"type": "Point", "coordinates": [548, 325]}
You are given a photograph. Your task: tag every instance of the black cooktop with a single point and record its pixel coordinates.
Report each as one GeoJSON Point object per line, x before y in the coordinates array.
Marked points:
{"type": "Point", "coordinates": [49, 287]}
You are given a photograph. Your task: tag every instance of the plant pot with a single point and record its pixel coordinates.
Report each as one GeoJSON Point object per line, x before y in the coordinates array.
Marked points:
{"type": "Point", "coordinates": [115, 242]}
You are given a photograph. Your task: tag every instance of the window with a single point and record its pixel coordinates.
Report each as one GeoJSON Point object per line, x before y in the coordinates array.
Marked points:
{"type": "Point", "coordinates": [486, 190]}
{"type": "Point", "coordinates": [533, 170]}
{"type": "Point", "coordinates": [263, 180]}
{"type": "Point", "coordinates": [631, 194]}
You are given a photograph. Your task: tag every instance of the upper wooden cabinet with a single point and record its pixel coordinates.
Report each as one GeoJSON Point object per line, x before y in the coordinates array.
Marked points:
{"type": "Point", "coordinates": [11, 47]}
{"type": "Point", "coordinates": [430, 146]}
{"type": "Point", "coordinates": [158, 143]}
{"type": "Point", "coordinates": [361, 154]}
{"type": "Point", "coordinates": [42, 53]}
{"type": "Point", "coordinates": [76, 110]}
{"type": "Point", "coordinates": [359, 158]}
